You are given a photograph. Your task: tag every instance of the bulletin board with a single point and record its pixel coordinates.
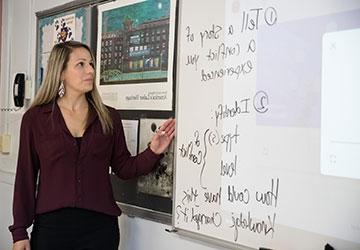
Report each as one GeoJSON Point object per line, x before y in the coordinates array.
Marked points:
{"type": "Point", "coordinates": [139, 99]}
{"type": "Point", "coordinates": [68, 22]}
{"type": "Point", "coordinates": [149, 196]}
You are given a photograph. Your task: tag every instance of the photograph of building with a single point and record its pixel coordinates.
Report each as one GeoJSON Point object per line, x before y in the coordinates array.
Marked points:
{"type": "Point", "coordinates": [134, 46]}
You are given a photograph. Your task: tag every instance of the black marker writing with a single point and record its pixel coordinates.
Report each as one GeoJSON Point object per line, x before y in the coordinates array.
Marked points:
{"type": "Point", "coordinates": [252, 18]}
{"type": "Point", "coordinates": [260, 105]}
{"type": "Point", "coordinates": [192, 60]}
{"type": "Point", "coordinates": [261, 102]}
{"type": "Point", "coordinates": [238, 196]}
{"type": "Point", "coordinates": [236, 71]}
{"type": "Point", "coordinates": [190, 196]}
{"type": "Point", "coordinates": [249, 223]}
{"type": "Point", "coordinates": [227, 110]}
{"type": "Point", "coordinates": [204, 219]}
{"type": "Point", "coordinates": [270, 197]}
{"type": "Point", "coordinates": [212, 33]}
{"type": "Point", "coordinates": [222, 52]}
{"type": "Point", "coordinates": [213, 197]}
{"type": "Point", "coordinates": [213, 137]}
{"type": "Point", "coordinates": [228, 169]}
{"type": "Point", "coordinates": [182, 212]}
{"type": "Point", "coordinates": [189, 34]}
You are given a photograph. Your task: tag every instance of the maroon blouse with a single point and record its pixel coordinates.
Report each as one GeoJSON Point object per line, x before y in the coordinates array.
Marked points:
{"type": "Point", "coordinates": [69, 177]}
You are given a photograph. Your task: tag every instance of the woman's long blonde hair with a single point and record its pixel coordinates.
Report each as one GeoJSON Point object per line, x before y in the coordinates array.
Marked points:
{"type": "Point", "coordinates": [48, 91]}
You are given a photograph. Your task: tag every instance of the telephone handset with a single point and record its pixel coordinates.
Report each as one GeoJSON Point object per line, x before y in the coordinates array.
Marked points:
{"type": "Point", "coordinates": [19, 89]}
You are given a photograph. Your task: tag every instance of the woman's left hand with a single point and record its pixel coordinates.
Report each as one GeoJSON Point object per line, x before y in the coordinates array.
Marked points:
{"type": "Point", "coordinates": [163, 137]}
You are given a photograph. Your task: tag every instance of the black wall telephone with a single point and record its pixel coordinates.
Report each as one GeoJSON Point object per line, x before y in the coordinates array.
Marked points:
{"type": "Point", "coordinates": [19, 89]}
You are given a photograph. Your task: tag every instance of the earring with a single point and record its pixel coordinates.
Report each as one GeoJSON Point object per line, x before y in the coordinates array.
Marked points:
{"type": "Point", "coordinates": [61, 91]}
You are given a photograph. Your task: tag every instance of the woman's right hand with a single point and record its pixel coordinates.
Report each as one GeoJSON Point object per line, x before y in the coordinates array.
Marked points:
{"type": "Point", "coordinates": [22, 245]}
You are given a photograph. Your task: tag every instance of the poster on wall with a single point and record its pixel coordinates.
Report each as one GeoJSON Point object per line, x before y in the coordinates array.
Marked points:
{"type": "Point", "coordinates": [159, 181]}
{"type": "Point", "coordinates": [64, 29]}
{"type": "Point", "coordinates": [148, 196]}
{"type": "Point", "coordinates": [131, 135]}
{"type": "Point", "coordinates": [135, 54]}
{"type": "Point", "coordinates": [60, 27]}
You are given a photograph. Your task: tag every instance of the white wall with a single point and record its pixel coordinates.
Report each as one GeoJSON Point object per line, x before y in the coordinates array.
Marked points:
{"type": "Point", "coordinates": [18, 50]}
{"type": "Point", "coordinates": [6, 190]}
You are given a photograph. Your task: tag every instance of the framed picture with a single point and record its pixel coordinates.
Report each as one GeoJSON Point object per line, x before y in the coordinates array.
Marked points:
{"type": "Point", "coordinates": [135, 54]}
{"type": "Point", "coordinates": [148, 196]}
{"type": "Point", "coordinates": [158, 182]}
{"type": "Point", "coordinates": [57, 26]}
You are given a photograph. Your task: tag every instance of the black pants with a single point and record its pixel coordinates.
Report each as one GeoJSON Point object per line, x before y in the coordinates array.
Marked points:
{"type": "Point", "coordinates": [75, 229]}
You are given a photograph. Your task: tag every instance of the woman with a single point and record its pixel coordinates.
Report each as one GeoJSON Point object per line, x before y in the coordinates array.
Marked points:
{"type": "Point", "coordinates": [68, 140]}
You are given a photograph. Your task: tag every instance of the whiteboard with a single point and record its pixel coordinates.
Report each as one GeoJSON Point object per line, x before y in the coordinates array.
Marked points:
{"type": "Point", "coordinates": [268, 137]}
